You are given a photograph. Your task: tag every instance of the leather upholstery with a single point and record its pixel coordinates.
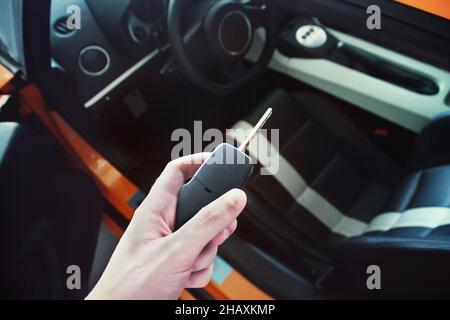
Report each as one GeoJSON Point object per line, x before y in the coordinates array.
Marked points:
{"type": "Point", "coordinates": [425, 188]}
{"type": "Point", "coordinates": [349, 179]}
{"type": "Point", "coordinates": [337, 161]}
{"type": "Point", "coordinates": [49, 217]}
{"type": "Point", "coordinates": [433, 145]}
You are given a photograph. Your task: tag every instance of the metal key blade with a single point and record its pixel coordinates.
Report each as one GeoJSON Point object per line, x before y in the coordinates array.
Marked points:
{"type": "Point", "coordinates": [256, 129]}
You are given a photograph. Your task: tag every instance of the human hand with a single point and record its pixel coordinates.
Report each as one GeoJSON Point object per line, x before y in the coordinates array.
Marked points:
{"type": "Point", "coordinates": [151, 261]}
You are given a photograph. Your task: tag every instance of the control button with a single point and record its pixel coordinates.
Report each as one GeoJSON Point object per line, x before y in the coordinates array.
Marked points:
{"type": "Point", "coordinates": [311, 36]}
{"type": "Point", "coordinates": [94, 60]}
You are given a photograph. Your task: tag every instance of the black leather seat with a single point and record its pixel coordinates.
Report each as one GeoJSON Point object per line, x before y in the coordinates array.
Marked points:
{"type": "Point", "coordinates": [49, 217]}
{"type": "Point", "coordinates": [337, 196]}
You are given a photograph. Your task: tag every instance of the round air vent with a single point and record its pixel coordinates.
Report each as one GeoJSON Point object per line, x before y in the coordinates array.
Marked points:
{"type": "Point", "coordinates": [60, 26]}
{"type": "Point", "coordinates": [94, 60]}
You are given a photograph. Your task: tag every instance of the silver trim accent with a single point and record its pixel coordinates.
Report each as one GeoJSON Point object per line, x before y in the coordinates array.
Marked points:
{"type": "Point", "coordinates": [97, 73]}
{"type": "Point", "coordinates": [249, 34]}
{"type": "Point", "coordinates": [104, 92]}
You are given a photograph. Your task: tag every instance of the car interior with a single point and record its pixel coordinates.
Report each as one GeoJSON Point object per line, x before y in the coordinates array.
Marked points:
{"type": "Point", "coordinates": [364, 126]}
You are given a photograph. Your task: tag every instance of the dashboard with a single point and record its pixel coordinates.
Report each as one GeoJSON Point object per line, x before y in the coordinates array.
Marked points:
{"type": "Point", "coordinates": [111, 42]}
{"type": "Point", "coordinates": [117, 40]}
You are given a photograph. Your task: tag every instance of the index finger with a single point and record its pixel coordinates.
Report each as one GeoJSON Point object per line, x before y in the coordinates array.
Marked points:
{"type": "Point", "coordinates": [164, 193]}
{"type": "Point", "coordinates": [178, 171]}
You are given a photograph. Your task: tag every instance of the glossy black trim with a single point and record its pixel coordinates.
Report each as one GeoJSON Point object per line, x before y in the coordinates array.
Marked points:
{"type": "Point", "coordinates": [36, 37]}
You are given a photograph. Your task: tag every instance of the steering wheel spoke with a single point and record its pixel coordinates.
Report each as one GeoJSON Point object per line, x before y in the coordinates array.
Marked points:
{"type": "Point", "coordinates": [194, 44]}
{"type": "Point", "coordinates": [193, 39]}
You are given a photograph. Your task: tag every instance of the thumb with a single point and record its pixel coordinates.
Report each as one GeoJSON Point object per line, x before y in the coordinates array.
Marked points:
{"type": "Point", "coordinates": [212, 219]}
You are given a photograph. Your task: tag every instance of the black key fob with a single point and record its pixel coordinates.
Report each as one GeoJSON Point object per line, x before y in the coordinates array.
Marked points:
{"type": "Point", "coordinates": [226, 168]}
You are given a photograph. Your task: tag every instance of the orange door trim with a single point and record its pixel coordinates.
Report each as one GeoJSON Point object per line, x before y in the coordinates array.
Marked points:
{"type": "Point", "coordinates": [5, 79]}
{"type": "Point", "coordinates": [437, 7]}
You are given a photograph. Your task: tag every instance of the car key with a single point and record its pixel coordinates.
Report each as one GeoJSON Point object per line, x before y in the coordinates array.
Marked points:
{"type": "Point", "coordinates": [226, 168]}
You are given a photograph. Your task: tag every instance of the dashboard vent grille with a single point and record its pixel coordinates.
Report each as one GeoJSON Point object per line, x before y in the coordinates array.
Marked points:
{"type": "Point", "coordinates": [60, 26]}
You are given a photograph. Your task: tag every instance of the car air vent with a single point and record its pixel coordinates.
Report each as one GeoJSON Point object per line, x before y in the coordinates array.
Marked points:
{"type": "Point", "coordinates": [60, 26]}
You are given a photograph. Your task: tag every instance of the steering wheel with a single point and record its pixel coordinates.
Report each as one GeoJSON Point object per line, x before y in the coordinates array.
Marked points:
{"type": "Point", "coordinates": [211, 52]}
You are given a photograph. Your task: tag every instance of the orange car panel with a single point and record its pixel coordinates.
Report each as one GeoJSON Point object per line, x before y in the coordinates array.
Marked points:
{"type": "Point", "coordinates": [5, 78]}
{"type": "Point", "coordinates": [238, 287]}
{"type": "Point", "coordinates": [437, 7]}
